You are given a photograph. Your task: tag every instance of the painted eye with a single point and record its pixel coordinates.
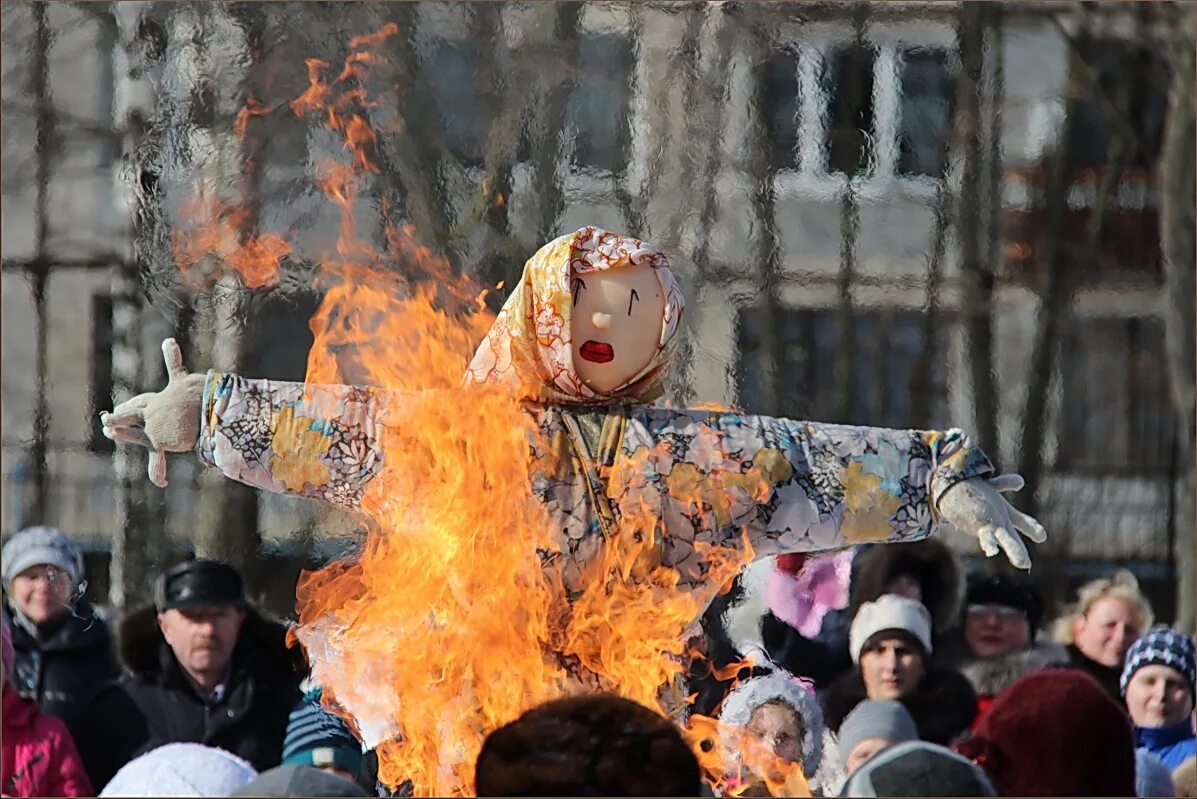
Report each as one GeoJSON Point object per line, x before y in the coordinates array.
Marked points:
{"type": "Point", "coordinates": [631, 299]}
{"type": "Point", "coordinates": [577, 287]}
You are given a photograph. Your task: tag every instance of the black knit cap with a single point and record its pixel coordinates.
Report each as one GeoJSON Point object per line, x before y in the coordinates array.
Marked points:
{"type": "Point", "coordinates": [199, 582]}
{"type": "Point", "coordinates": [1009, 589]}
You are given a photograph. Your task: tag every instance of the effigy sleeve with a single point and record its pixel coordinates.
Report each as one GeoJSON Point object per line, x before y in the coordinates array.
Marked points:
{"type": "Point", "coordinates": [316, 441]}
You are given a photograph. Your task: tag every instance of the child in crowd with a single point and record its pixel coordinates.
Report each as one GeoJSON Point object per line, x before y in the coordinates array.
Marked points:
{"type": "Point", "coordinates": [875, 725]}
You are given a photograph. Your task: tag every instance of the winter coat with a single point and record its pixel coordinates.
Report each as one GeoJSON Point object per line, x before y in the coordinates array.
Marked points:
{"type": "Point", "coordinates": [943, 705]}
{"type": "Point", "coordinates": [157, 704]}
{"type": "Point", "coordinates": [1107, 676]}
{"type": "Point", "coordinates": [824, 657]}
{"type": "Point", "coordinates": [990, 676]}
{"type": "Point", "coordinates": [65, 665]}
{"type": "Point", "coordinates": [39, 757]}
{"type": "Point", "coordinates": [1173, 744]}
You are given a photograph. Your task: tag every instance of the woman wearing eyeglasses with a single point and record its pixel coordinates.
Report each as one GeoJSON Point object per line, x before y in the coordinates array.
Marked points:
{"type": "Point", "coordinates": [999, 639]}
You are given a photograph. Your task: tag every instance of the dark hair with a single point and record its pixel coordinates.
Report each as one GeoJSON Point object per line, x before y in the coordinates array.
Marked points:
{"type": "Point", "coordinates": [905, 636]}
{"type": "Point", "coordinates": [594, 745]}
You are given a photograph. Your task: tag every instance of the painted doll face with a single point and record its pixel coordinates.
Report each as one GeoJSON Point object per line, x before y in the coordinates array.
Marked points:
{"type": "Point", "coordinates": [617, 318]}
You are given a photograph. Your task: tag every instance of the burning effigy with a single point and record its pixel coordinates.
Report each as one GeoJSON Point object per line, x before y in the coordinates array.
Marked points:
{"type": "Point", "coordinates": [539, 527]}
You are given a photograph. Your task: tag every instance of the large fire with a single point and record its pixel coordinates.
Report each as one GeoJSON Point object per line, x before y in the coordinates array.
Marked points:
{"type": "Point", "coordinates": [446, 626]}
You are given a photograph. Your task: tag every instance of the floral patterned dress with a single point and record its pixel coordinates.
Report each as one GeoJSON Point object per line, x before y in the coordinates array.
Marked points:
{"type": "Point", "coordinates": [711, 479]}
{"type": "Point", "coordinates": [715, 478]}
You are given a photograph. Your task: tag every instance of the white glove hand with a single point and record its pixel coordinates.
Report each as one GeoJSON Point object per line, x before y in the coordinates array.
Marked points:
{"type": "Point", "coordinates": [976, 507]}
{"type": "Point", "coordinates": [163, 421]}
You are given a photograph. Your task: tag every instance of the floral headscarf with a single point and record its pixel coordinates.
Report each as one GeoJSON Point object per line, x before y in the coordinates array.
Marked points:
{"type": "Point", "coordinates": [528, 346]}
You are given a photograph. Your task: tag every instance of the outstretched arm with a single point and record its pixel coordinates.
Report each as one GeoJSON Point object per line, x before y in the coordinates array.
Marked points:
{"type": "Point", "coordinates": [321, 442]}
{"type": "Point", "coordinates": [793, 486]}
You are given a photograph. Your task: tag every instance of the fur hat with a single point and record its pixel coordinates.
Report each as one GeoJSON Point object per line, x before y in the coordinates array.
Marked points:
{"type": "Point", "coordinates": [587, 745]}
{"type": "Point", "coordinates": [930, 562]}
{"type": "Point", "coordinates": [918, 768]}
{"type": "Point", "coordinates": [889, 612]}
{"type": "Point", "coordinates": [1055, 733]}
{"type": "Point", "coordinates": [181, 769]}
{"type": "Point", "coordinates": [746, 697]}
{"type": "Point", "coordinates": [1162, 646]}
{"type": "Point", "coordinates": [40, 546]}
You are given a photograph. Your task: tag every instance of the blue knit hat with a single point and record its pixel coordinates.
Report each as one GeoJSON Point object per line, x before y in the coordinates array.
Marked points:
{"type": "Point", "coordinates": [316, 737]}
{"type": "Point", "coordinates": [1162, 646]}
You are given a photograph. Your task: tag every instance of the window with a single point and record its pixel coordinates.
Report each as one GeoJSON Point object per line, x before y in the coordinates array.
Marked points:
{"type": "Point", "coordinates": [1135, 80]}
{"type": "Point", "coordinates": [100, 390]}
{"type": "Point", "coordinates": [597, 110]}
{"type": "Point", "coordinates": [926, 113]}
{"type": "Point", "coordinates": [847, 82]}
{"type": "Point", "coordinates": [463, 109]}
{"type": "Point", "coordinates": [778, 104]}
{"type": "Point", "coordinates": [887, 350]}
{"type": "Point", "coordinates": [1117, 412]}
{"type": "Point", "coordinates": [870, 110]}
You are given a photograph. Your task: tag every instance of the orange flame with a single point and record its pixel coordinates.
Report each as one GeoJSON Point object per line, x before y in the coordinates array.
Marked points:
{"type": "Point", "coordinates": [252, 109]}
{"type": "Point", "coordinates": [743, 762]}
{"type": "Point", "coordinates": [447, 625]}
{"type": "Point", "coordinates": [213, 228]}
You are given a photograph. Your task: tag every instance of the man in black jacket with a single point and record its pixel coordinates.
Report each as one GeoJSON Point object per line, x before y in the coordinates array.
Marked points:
{"type": "Point", "coordinates": [202, 666]}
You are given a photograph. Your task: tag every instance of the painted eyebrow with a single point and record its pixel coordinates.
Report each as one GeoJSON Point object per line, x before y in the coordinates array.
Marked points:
{"type": "Point", "coordinates": [578, 286]}
{"type": "Point", "coordinates": [632, 298]}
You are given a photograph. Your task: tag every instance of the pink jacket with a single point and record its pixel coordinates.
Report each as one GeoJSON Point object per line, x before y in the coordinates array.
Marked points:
{"type": "Point", "coordinates": [40, 758]}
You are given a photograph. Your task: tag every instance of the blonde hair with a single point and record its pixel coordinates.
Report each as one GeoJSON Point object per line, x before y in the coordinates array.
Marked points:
{"type": "Point", "coordinates": [1120, 585]}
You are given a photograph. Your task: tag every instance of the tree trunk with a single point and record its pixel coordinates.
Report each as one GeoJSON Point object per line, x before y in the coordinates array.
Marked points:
{"type": "Point", "coordinates": [632, 207]}
{"type": "Point", "coordinates": [965, 126]}
{"type": "Point", "coordinates": [416, 151]}
{"type": "Point", "coordinates": [765, 248]}
{"type": "Point", "coordinates": [37, 502]}
{"type": "Point", "coordinates": [546, 145]}
{"type": "Point", "coordinates": [137, 545]}
{"type": "Point", "coordinates": [1063, 278]}
{"type": "Point", "coordinates": [511, 92]}
{"type": "Point", "coordinates": [849, 233]}
{"type": "Point", "coordinates": [976, 271]}
{"type": "Point", "coordinates": [1177, 202]}
{"type": "Point", "coordinates": [228, 516]}
{"type": "Point", "coordinates": [1056, 288]}
{"type": "Point", "coordinates": [671, 156]}
{"type": "Point", "coordinates": [709, 117]}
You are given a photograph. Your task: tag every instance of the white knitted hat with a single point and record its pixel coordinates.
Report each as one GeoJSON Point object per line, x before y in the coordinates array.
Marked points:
{"type": "Point", "coordinates": [181, 769]}
{"type": "Point", "coordinates": [889, 612]}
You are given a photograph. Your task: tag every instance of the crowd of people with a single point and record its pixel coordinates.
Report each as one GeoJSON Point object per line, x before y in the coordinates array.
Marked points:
{"type": "Point", "coordinates": [916, 680]}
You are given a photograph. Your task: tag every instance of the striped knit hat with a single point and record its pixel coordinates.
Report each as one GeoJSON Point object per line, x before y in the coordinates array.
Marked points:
{"type": "Point", "coordinates": [316, 737]}
{"type": "Point", "coordinates": [1162, 646]}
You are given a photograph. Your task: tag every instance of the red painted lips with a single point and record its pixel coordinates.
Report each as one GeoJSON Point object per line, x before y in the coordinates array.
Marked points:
{"type": "Point", "coordinates": [596, 351]}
